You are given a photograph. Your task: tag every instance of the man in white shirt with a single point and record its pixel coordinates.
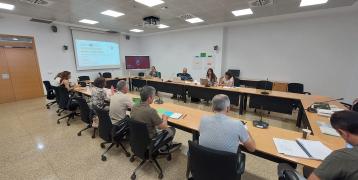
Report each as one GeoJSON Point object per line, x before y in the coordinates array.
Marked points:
{"type": "Point", "coordinates": [120, 102]}
{"type": "Point", "coordinates": [220, 132]}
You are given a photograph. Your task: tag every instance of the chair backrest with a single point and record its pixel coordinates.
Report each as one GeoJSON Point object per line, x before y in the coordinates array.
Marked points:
{"type": "Point", "coordinates": [110, 83]}
{"type": "Point", "coordinates": [85, 111]}
{"type": "Point", "coordinates": [105, 125]}
{"type": "Point", "coordinates": [289, 175]}
{"type": "Point", "coordinates": [234, 72]}
{"type": "Point", "coordinates": [141, 74]}
{"type": "Point", "coordinates": [83, 78]}
{"type": "Point", "coordinates": [139, 138]}
{"type": "Point", "coordinates": [266, 85]}
{"type": "Point", "coordinates": [50, 93]}
{"type": "Point", "coordinates": [206, 163]}
{"type": "Point", "coordinates": [295, 88]}
{"type": "Point", "coordinates": [64, 97]}
{"type": "Point", "coordinates": [107, 75]}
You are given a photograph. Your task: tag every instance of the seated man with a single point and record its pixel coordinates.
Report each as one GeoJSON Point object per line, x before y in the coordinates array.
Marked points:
{"type": "Point", "coordinates": [120, 102]}
{"type": "Point", "coordinates": [221, 132]}
{"type": "Point", "coordinates": [343, 163]}
{"type": "Point", "coordinates": [185, 76]}
{"type": "Point", "coordinates": [144, 113]}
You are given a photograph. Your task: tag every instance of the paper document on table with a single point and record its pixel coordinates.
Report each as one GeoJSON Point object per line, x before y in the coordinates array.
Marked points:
{"type": "Point", "coordinates": [316, 149]}
{"type": "Point", "coordinates": [327, 129]}
{"type": "Point", "coordinates": [176, 115]}
{"type": "Point", "coordinates": [289, 147]}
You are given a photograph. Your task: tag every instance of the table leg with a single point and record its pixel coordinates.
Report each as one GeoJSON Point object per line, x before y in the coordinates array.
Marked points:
{"type": "Point", "coordinates": [241, 104]}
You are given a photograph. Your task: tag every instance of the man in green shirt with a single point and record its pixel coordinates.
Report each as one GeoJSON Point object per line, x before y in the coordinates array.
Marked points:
{"type": "Point", "coordinates": [343, 163]}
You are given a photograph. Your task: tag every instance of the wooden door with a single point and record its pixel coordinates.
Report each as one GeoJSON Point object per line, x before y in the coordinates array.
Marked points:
{"type": "Point", "coordinates": [24, 72]}
{"type": "Point", "coordinates": [6, 91]}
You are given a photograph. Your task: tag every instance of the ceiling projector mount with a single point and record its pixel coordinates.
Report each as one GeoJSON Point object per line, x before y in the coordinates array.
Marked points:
{"type": "Point", "coordinates": [151, 22]}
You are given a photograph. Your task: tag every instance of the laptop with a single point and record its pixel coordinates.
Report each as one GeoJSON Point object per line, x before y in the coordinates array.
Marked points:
{"type": "Point", "coordinates": [204, 82]}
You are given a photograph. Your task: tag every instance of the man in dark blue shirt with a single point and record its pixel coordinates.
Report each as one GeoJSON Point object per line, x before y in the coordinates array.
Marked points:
{"type": "Point", "coordinates": [185, 76]}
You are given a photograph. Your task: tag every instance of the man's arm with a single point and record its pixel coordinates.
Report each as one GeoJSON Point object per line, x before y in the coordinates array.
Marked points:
{"type": "Point", "coordinates": [164, 124]}
{"type": "Point", "coordinates": [313, 176]}
{"type": "Point", "coordinates": [250, 144]}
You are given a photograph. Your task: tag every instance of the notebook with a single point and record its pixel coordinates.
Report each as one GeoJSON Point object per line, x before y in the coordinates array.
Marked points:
{"type": "Point", "coordinates": [169, 113]}
{"type": "Point", "coordinates": [327, 129]}
{"type": "Point", "coordinates": [302, 148]}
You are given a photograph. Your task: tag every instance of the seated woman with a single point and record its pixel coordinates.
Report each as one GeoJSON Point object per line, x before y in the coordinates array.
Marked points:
{"type": "Point", "coordinates": [210, 75]}
{"type": "Point", "coordinates": [57, 79]}
{"type": "Point", "coordinates": [65, 80]}
{"type": "Point", "coordinates": [227, 80]}
{"type": "Point", "coordinates": [99, 94]}
{"type": "Point", "coordinates": [153, 72]}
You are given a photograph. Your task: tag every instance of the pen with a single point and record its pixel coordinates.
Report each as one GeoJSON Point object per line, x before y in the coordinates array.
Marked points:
{"type": "Point", "coordinates": [184, 116]}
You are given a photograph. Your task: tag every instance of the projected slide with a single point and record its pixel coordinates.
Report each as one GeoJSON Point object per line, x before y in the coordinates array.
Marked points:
{"type": "Point", "coordinates": [96, 54]}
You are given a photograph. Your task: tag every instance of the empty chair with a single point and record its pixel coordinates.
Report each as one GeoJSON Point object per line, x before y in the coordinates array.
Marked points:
{"type": "Point", "coordinates": [50, 94]}
{"type": "Point", "coordinates": [297, 88]}
{"type": "Point", "coordinates": [83, 78]}
{"type": "Point", "coordinates": [66, 103]}
{"type": "Point", "coordinates": [286, 172]}
{"type": "Point", "coordinates": [111, 134]}
{"type": "Point", "coordinates": [110, 83]}
{"type": "Point", "coordinates": [86, 115]}
{"type": "Point", "coordinates": [205, 163]}
{"type": "Point", "coordinates": [141, 74]}
{"type": "Point", "coordinates": [259, 102]}
{"type": "Point", "coordinates": [107, 75]}
{"type": "Point", "coordinates": [265, 85]}
{"type": "Point", "coordinates": [145, 148]}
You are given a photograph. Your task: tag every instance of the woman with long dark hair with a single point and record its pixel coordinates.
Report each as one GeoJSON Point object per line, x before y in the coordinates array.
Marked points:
{"type": "Point", "coordinates": [210, 75]}
{"type": "Point", "coordinates": [65, 80]}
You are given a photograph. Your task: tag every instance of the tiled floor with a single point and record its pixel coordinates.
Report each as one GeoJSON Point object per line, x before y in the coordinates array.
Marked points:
{"type": "Point", "coordinates": [33, 146]}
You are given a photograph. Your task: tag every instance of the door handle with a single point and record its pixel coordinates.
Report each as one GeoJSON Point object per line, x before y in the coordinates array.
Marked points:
{"type": "Point", "coordinates": [5, 76]}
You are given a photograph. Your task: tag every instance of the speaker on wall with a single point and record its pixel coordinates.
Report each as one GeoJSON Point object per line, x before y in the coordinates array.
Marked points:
{"type": "Point", "coordinates": [128, 37]}
{"type": "Point", "coordinates": [65, 47]}
{"type": "Point", "coordinates": [54, 28]}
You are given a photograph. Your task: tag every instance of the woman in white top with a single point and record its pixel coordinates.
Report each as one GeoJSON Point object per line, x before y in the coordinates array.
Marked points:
{"type": "Point", "coordinates": [227, 80]}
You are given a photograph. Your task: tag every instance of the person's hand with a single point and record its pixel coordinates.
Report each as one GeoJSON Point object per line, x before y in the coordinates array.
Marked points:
{"type": "Point", "coordinates": [165, 117]}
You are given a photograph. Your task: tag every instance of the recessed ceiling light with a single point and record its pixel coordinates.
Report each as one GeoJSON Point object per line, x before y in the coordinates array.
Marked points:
{"type": "Point", "coordinates": [7, 6]}
{"type": "Point", "coordinates": [242, 12]}
{"type": "Point", "coordinates": [112, 13]}
{"type": "Point", "coordinates": [194, 20]}
{"type": "Point", "coordinates": [162, 26]}
{"type": "Point", "coordinates": [15, 39]}
{"type": "Point", "coordinates": [312, 2]}
{"type": "Point", "coordinates": [150, 3]}
{"type": "Point", "coordinates": [136, 30]}
{"type": "Point", "coordinates": [88, 21]}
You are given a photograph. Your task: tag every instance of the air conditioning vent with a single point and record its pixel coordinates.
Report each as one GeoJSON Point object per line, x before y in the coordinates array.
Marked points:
{"type": "Point", "coordinates": [38, 2]}
{"type": "Point", "coordinates": [112, 32]}
{"type": "Point", "coordinates": [46, 21]}
{"type": "Point", "coordinates": [186, 16]}
{"type": "Point", "coordinates": [260, 3]}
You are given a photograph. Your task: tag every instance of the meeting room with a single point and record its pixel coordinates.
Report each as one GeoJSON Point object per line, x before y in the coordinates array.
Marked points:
{"type": "Point", "coordinates": [179, 89]}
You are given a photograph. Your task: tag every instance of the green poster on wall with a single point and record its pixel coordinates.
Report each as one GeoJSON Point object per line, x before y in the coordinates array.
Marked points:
{"type": "Point", "coordinates": [202, 54]}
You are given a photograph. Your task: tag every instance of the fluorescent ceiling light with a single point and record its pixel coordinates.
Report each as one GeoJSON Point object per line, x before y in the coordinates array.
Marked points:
{"type": "Point", "coordinates": [312, 2]}
{"type": "Point", "coordinates": [150, 3]}
{"type": "Point", "coordinates": [7, 6]}
{"type": "Point", "coordinates": [112, 13]}
{"type": "Point", "coordinates": [136, 30]}
{"type": "Point", "coordinates": [88, 21]}
{"type": "Point", "coordinates": [242, 12]}
{"type": "Point", "coordinates": [194, 20]}
{"type": "Point", "coordinates": [162, 26]}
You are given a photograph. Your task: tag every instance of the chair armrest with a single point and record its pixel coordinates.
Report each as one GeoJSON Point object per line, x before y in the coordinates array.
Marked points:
{"type": "Point", "coordinates": [241, 159]}
{"type": "Point", "coordinates": [285, 171]}
{"type": "Point", "coordinates": [156, 142]}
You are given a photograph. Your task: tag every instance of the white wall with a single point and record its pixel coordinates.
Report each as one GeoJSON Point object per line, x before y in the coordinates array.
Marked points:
{"type": "Point", "coordinates": [320, 52]}
{"type": "Point", "coordinates": [170, 52]}
{"type": "Point", "coordinates": [51, 57]}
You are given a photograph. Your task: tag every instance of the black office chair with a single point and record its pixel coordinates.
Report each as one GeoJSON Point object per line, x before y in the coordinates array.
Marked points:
{"type": "Point", "coordinates": [86, 115]}
{"type": "Point", "coordinates": [83, 78]}
{"type": "Point", "coordinates": [205, 163]}
{"type": "Point", "coordinates": [112, 134]}
{"type": "Point", "coordinates": [145, 148]}
{"type": "Point", "coordinates": [50, 94]}
{"type": "Point", "coordinates": [258, 102]}
{"type": "Point", "coordinates": [67, 103]}
{"type": "Point", "coordinates": [352, 107]}
{"type": "Point", "coordinates": [297, 88]}
{"type": "Point", "coordinates": [141, 74]}
{"type": "Point", "coordinates": [110, 83]}
{"type": "Point", "coordinates": [107, 75]}
{"type": "Point", "coordinates": [235, 72]}
{"type": "Point", "coordinates": [286, 172]}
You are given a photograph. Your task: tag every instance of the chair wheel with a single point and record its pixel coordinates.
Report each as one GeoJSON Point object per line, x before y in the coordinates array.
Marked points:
{"type": "Point", "coordinates": [169, 157]}
{"type": "Point", "coordinates": [58, 114]}
{"type": "Point", "coordinates": [93, 136]}
{"type": "Point", "coordinates": [160, 176]}
{"type": "Point", "coordinates": [128, 154]}
{"type": "Point", "coordinates": [131, 159]}
{"type": "Point", "coordinates": [79, 134]}
{"type": "Point", "coordinates": [68, 124]}
{"type": "Point", "coordinates": [58, 122]}
{"type": "Point", "coordinates": [104, 158]}
{"type": "Point", "coordinates": [102, 146]}
{"type": "Point", "coordinates": [133, 176]}
{"type": "Point", "coordinates": [48, 107]}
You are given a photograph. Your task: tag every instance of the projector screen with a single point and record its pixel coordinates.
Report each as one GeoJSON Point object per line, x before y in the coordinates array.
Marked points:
{"type": "Point", "coordinates": [95, 51]}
